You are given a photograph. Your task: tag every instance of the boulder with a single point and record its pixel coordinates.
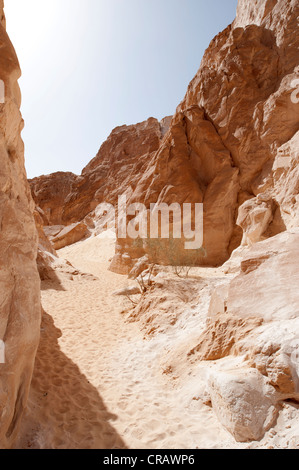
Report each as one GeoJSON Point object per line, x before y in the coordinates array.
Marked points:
{"type": "Point", "coordinates": [244, 402]}
{"type": "Point", "coordinates": [69, 235]}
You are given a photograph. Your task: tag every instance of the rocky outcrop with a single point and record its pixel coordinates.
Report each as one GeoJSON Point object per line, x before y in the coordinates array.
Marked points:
{"type": "Point", "coordinates": [69, 235]}
{"type": "Point", "coordinates": [255, 342]}
{"type": "Point", "coordinates": [20, 313]}
{"type": "Point", "coordinates": [233, 137]}
{"type": "Point", "coordinates": [40, 222]}
{"type": "Point", "coordinates": [66, 198]}
{"type": "Point", "coordinates": [244, 402]}
{"type": "Point", "coordinates": [269, 271]}
{"type": "Point", "coordinates": [222, 335]}
{"type": "Point", "coordinates": [49, 193]}
{"type": "Point", "coordinates": [231, 145]}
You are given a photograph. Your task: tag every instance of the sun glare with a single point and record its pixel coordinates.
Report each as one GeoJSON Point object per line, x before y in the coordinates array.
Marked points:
{"type": "Point", "coordinates": [29, 24]}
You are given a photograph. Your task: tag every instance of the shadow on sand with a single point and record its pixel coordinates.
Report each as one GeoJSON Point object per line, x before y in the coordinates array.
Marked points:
{"type": "Point", "coordinates": [65, 411]}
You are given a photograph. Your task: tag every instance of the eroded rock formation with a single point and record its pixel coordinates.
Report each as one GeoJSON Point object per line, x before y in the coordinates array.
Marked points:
{"type": "Point", "coordinates": [50, 193]}
{"type": "Point", "coordinates": [233, 137]}
{"type": "Point", "coordinates": [66, 198]}
{"type": "Point", "coordinates": [20, 314]}
{"type": "Point", "coordinates": [232, 141]}
{"type": "Point", "coordinates": [233, 146]}
{"type": "Point", "coordinates": [260, 327]}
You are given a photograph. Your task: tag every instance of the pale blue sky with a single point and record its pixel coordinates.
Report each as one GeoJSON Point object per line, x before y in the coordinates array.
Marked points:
{"type": "Point", "coordinates": [89, 66]}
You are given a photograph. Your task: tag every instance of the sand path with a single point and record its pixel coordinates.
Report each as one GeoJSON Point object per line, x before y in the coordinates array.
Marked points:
{"type": "Point", "coordinates": [97, 382]}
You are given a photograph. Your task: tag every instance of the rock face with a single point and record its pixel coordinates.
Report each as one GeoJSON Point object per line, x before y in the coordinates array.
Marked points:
{"type": "Point", "coordinates": [260, 327]}
{"type": "Point", "coordinates": [69, 202]}
{"type": "Point", "coordinates": [269, 276]}
{"type": "Point", "coordinates": [231, 145]}
{"type": "Point", "coordinates": [233, 137]}
{"type": "Point", "coordinates": [69, 235]}
{"type": "Point", "coordinates": [49, 193]}
{"type": "Point", "coordinates": [66, 198]}
{"type": "Point", "coordinates": [20, 314]}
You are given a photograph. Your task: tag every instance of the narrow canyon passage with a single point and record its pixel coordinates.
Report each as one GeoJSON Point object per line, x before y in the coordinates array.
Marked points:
{"type": "Point", "coordinates": [100, 382]}
{"type": "Point", "coordinates": [97, 380]}
{"type": "Point", "coordinates": [206, 358]}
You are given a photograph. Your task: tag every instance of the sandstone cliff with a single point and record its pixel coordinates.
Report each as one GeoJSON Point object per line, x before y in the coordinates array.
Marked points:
{"type": "Point", "coordinates": [232, 145]}
{"type": "Point", "coordinates": [233, 138]}
{"type": "Point", "coordinates": [66, 198]}
{"type": "Point", "coordinates": [19, 280]}
{"type": "Point", "coordinates": [69, 201]}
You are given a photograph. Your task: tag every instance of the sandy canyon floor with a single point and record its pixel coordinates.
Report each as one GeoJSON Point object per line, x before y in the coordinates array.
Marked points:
{"type": "Point", "coordinates": [99, 381]}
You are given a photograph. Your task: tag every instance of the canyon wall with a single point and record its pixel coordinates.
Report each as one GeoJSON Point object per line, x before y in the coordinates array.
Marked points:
{"type": "Point", "coordinates": [233, 140]}
{"type": "Point", "coordinates": [19, 281]}
{"type": "Point", "coordinates": [66, 198]}
{"type": "Point", "coordinates": [231, 145]}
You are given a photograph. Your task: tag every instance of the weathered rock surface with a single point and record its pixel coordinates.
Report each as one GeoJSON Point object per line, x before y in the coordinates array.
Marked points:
{"type": "Point", "coordinates": [20, 311]}
{"type": "Point", "coordinates": [233, 146]}
{"type": "Point", "coordinates": [56, 270]}
{"type": "Point", "coordinates": [244, 402]}
{"type": "Point", "coordinates": [66, 198]}
{"type": "Point", "coordinates": [230, 135]}
{"type": "Point", "coordinates": [254, 218]}
{"type": "Point", "coordinates": [68, 235]}
{"type": "Point", "coordinates": [50, 192]}
{"type": "Point", "coordinates": [40, 222]}
{"type": "Point", "coordinates": [268, 284]}
{"type": "Point", "coordinates": [221, 336]}
{"type": "Point", "coordinates": [254, 317]}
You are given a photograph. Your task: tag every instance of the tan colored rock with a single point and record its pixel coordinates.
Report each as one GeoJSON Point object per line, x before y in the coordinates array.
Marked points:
{"type": "Point", "coordinates": [140, 266]}
{"type": "Point", "coordinates": [253, 321]}
{"type": "Point", "coordinates": [236, 117]}
{"type": "Point", "coordinates": [221, 336]}
{"type": "Point", "coordinates": [40, 221]}
{"type": "Point", "coordinates": [218, 301]}
{"type": "Point", "coordinates": [67, 199]}
{"type": "Point", "coordinates": [45, 247]}
{"type": "Point", "coordinates": [163, 304]}
{"type": "Point", "coordinates": [50, 192]}
{"type": "Point", "coordinates": [121, 264]}
{"type": "Point", "coordinates": [254, 218]}
{"type": "Point", "coordinates": [119, 164]}
{"type": "Point", "coordinates": [69, 235]}
{"type": "Point", "coordinates": [286, 182]}
{"type": "Point", "coordinates": [244, 402]}
{"type": "Point", "coordinates": [20, 311]}
{"type": "Point", "coordinates": [127, 291]}
{"type": "Point", "coordinates": [186, 177]}
{"type": "Point", "coordinates": [222, 147]}
{"type": "Point", "coordinates": [268, 284]}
